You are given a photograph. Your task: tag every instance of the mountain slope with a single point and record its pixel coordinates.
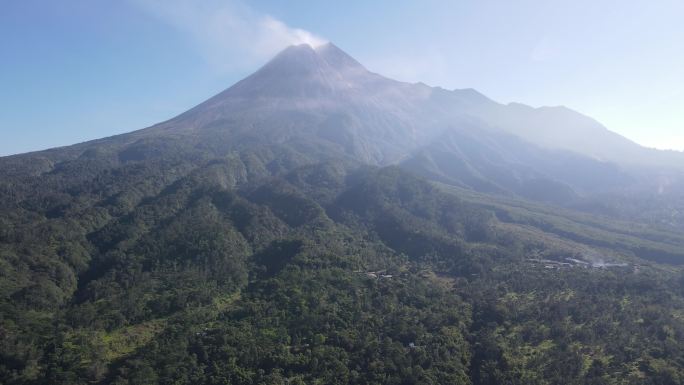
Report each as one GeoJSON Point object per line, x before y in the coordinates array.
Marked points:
{"type": "Point", "coordinates": [324, 98]}
{"type": "Point", "coordinates": [318, 223]}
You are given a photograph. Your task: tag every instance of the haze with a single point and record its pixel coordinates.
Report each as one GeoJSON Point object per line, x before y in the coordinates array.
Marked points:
{"type": "Point", "coordinates": [399, 193]}
{"type": "Point", "coordinates": [79, 70]}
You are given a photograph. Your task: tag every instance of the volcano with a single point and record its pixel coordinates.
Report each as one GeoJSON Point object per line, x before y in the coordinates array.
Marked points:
{"type": "Point", "coordinates": [318, 223]}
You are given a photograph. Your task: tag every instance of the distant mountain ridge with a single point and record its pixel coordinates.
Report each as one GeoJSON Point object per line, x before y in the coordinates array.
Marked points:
{"type": "Point", "coordinates": [321, 100]}
{"type": "Point", "coordinates": [326, 76]}
{"type": "Point", "coordinates": [317, 223]}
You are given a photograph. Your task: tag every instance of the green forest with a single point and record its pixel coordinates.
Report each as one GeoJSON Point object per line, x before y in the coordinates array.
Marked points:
{"type": "Point", "coordinates": [164, 264]}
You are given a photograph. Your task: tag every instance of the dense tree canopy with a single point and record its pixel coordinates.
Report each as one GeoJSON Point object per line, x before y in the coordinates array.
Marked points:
{"type": "Point", "coordinates": [271, 267]}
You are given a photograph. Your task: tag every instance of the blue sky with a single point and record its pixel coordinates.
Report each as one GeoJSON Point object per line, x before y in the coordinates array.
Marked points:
{"type": "Point", "coordinates": [75, 70]}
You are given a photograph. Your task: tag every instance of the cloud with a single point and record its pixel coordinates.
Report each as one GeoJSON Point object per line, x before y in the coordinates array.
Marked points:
{"type": "Point", "coordinates": [228, 33]}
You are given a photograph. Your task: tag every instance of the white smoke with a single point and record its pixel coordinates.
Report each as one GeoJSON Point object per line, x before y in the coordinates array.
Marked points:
{"type": "Point", "coordinates": [228, 33]}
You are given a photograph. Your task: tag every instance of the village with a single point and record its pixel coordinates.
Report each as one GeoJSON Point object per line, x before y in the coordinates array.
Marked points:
{"type": "Point", "coordinates": [381, 274]}
{"type": "Point", "coordinates": [577, 263]}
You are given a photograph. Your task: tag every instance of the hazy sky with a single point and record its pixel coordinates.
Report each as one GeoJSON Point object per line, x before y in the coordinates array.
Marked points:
{"type": "Point", "coordinates": [74, 70]}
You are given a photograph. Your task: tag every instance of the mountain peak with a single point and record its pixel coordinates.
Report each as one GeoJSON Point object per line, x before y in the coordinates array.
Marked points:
{"type": "Point", "coordinates": [295, 58]}
{"type": "Point", "coordinates": [304, 71]}
{"type": "Point", "coordinates": [304, 57]}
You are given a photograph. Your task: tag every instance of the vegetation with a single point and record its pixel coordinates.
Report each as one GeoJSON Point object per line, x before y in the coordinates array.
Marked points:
{"type": "Point", "coordinates": [165, 264]}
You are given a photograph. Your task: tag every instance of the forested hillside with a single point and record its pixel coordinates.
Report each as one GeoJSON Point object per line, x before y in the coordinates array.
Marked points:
{"type": "Point", "coordinates": [331, 272]}
{"type": "Point", "coordinates": [258, 240]}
